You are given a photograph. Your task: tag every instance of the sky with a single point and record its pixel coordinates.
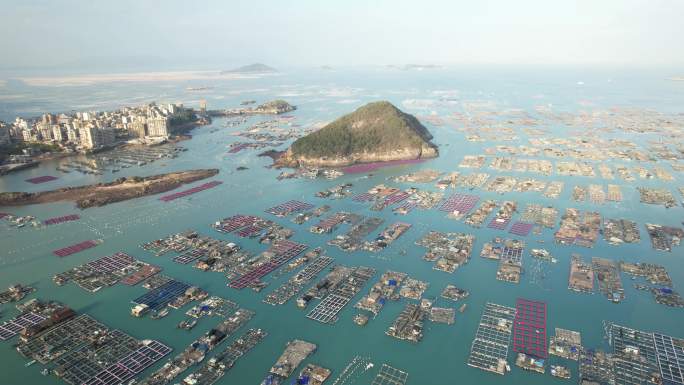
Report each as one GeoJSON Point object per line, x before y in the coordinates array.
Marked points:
{"type": "Point", "coordinates": [224, 34]}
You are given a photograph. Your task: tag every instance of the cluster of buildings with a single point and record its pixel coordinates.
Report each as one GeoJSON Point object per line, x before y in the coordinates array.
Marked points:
{"type": "Point", "coordinates": [93, 130]}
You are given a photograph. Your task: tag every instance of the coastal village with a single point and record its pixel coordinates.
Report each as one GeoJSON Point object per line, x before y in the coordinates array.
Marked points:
{"type": "Point", "coordinates": [531, 210]}
{"type": "Point", "coordinates": [92, 131]}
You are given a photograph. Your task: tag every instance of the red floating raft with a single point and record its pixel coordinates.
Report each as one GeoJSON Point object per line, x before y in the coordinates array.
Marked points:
{"type": "Point", "coordinates": [521, 228]}
{"type": "Point", "coordinates": [65, 218]}
{"type": "Point", "coordinates": [462, 203]}
{"type": "Point", "coordinates": [529, 328]}
{"type": "Point", "coordinates": [41, 179]}
{"type": "Point", "coordinates": [289, 207]}
{"type": "Point", "coordinates": [66, 251]}
{"type": "Point", "coordinates": [181, 194]}
{"type": "Point", "coordinates": [284, 251]}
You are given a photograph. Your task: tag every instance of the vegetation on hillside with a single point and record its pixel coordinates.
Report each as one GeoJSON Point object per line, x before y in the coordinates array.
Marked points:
{"type": "Point", "coordinates": [375, 127]}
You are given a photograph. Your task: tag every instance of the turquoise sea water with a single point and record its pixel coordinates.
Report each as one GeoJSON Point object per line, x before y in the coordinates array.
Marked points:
{"type": "Point", "coordinates": [25, 254]}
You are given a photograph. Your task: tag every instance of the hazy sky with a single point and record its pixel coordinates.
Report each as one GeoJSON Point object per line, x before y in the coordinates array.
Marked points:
{"type": "Point", "coordinates": [344, 32]}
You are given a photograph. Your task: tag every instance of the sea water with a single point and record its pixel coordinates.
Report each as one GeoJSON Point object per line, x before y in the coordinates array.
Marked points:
{"type": "Point", "coordinates": [440, 358]}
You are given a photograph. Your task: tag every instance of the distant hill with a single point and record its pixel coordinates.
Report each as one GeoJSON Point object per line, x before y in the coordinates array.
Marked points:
{"type": "Point", "coordinates": [256, 68]}
{"type": "Point", "coordinates": [376, 132]}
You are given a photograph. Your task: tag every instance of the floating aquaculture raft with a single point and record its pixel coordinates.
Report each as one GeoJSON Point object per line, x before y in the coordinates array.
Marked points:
{"type": "Point", "coordinates": [196, 189]}
{"type": "Point", "coordinates": [521, 228]}
{"type": "Point", "coordinates": [163, 295]}
{"type": "Point", "coordinates": [41, 179]}
{"type": "Point", "coordinates": [65, 218]}
{"type": "Point", "coordinates": [128, 367]}
{"type": "Point", "coordinates": [283, 251]}
{"type": "Point", "coordinates": [459, 202]}
{"type": "Point", "coordinates": [12, 327]}
{"type": "Point", "coordinates": [289, 207]}
{"type": "Point", "coordinates": [529, 328]}
{"type": "Point", "coordinates": [78, 247]}
{"type": "Point", "coordinates": [489, 350]}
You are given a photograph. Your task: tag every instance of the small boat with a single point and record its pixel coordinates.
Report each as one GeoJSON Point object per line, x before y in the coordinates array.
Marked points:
{"type": "Point", "coordinates": [187, 325]}
{"type": "Point", "coordinates": [30, 363]}
{"type": "Point", "coordinates": [45, 371]}
{"type": "Point", "coordinates": [160, 314]}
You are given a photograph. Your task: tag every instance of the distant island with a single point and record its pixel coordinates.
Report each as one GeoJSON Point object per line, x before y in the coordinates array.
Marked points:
{"type": "Point", "coordinates": [273, 107]}
{"type": "Point", "coordinates": [277, 106]}
{"type": "Point", "coordinates": [376, 132]}
{"type": "Point", "coordinates": [101, 194]}
{"type": "Point", "coordinates": [418, 67]}
{"type": "Point", "coordinates": [256, 68]}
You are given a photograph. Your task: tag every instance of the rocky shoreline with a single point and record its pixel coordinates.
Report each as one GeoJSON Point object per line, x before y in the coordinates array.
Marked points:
{"type": "Point", "coordinates": [374, 133]}
{"type": "Point", "coordinates": [102, 194]}
{"type": "Point", "coordinates": [289, 160]}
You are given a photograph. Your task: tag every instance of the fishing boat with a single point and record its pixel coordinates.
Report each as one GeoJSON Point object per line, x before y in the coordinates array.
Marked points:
{"type": "Point", "coordinates": [187, 324]}
{"type": "Point", "coordinates": [160, 314]}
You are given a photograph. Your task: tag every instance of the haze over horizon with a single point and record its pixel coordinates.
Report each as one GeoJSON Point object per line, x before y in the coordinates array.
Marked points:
{"type": "Point", "coordinates": [211, 34]}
